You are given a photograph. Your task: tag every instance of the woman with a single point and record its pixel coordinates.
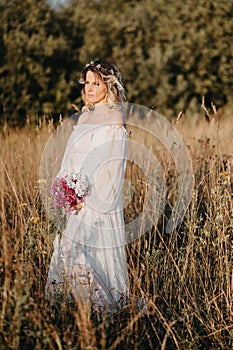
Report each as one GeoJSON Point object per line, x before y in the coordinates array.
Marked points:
{"type": "Point", "coordinates": [89, 260]}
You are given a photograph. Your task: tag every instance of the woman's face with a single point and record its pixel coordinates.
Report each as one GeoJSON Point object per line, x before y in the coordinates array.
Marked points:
{"type": "Point", "coordinates": [95, 89]}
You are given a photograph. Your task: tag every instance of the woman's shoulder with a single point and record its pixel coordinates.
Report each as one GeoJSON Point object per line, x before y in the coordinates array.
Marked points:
{"type": "Point", "coordinates": [116, 118]}
{"type": "Point", "coordinates": [116, 115]}
{"type": "Point", "coordinates": [84, 117]}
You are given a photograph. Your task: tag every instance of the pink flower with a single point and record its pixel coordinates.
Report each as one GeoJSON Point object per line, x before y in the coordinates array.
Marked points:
{"type": "Point", "coordinates": [68, 191]}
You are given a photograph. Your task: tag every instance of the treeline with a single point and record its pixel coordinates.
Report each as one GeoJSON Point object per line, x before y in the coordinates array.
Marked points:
{"type": "Point", "coordinates": [170, 53]}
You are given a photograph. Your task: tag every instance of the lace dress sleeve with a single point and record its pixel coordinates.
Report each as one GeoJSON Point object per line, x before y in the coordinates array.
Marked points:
{"type": "Point", "coordinates": [70, 160]}
{"type": "Point", "coordinates": [106, 166]}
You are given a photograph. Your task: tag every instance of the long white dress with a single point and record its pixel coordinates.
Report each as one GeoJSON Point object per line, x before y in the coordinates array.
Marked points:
{"type": "Point", "coordinates": [89, 259]}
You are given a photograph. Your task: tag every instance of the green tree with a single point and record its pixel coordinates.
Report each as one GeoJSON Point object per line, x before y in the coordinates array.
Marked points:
{"type": "Point", "coordinates": [170, 53]}
{"type": "Point", "coordinates": [33, 66]}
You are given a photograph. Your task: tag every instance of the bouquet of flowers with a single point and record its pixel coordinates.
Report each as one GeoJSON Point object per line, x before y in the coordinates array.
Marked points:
{"type": "Point", "coordinates": [70, 190]}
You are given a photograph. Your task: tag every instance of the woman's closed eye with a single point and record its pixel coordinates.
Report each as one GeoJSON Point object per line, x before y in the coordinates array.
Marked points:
{"type": "Point", "coordinates": [95, 83]}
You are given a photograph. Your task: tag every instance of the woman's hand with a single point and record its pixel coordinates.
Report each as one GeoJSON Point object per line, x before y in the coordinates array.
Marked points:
{"type": "Point", "coordinates": [78, 206]}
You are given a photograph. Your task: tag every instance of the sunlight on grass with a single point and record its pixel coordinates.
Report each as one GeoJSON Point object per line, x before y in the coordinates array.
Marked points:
{"type": "Point", "coordinates": [186, 275]}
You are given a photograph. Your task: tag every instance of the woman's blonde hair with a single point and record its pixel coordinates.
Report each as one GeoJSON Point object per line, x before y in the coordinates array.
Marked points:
{"type": "Point", "coordinates": [110, 75]}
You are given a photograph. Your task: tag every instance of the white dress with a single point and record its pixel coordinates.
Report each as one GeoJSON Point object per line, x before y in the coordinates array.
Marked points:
{"type": "Point", "coordinates": [89, 258]}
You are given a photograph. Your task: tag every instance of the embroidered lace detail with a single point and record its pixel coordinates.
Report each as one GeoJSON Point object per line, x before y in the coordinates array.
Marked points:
{"type": "Point", "coordinates": [119, 127]}
{"type": "Point", "coordinates": [112, 126]}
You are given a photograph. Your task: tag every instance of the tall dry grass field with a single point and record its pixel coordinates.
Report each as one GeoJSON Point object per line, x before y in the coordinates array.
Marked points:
{"type": "Point", "coordinates": [186, 276]}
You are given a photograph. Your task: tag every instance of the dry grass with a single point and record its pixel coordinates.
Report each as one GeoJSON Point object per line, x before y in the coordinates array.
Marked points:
{"type": "Point", "coordinates": [187, 275]}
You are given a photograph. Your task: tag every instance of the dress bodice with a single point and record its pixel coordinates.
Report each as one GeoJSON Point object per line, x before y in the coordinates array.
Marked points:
{"type": "Point", "coordinates": [98, 141]}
